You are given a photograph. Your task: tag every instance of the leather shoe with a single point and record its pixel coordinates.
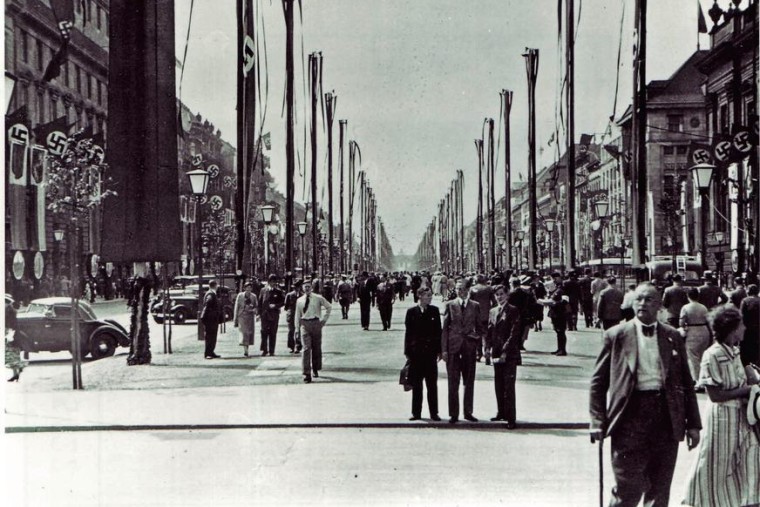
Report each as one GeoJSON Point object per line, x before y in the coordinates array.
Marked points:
{"type": "Point", "coordinates": [415, 418]}
{"type": "Point", "coordinates": [453, 420]}
{"type": "Point", "coordinates": [511, 425]}
{"type": "Point", "coordinates": [497, 418]}
{"type": "Point", "coordinates": [435, 417]}
{"type": "Point", "coordinates": [307, 379]}
{"type": "Point", "coordinates": [316, 373]}
{"type": "Point", "coordinates": [561, 353]}
{"type": "Point", "coordinates": [555, 352]}
{"type": "Point", "coordinates": [471, 418]}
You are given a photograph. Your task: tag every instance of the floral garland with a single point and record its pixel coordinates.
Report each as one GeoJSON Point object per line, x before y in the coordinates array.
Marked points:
{"type": "Point", "coordinates": [139, 331]}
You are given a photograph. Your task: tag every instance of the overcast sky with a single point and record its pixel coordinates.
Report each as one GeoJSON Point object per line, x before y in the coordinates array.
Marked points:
{"type": "Point", "coordinates": [415, 80]}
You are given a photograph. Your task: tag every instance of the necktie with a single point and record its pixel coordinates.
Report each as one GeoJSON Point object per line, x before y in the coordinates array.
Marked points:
{"type": "Point", "coordinates": [306, 305]}
{"type": "Point", "coordinates": [648, 330]}
{"type": "Point", "coordinates": [463, 305]}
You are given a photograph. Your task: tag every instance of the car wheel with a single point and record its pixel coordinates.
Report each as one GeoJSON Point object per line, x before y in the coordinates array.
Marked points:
{"type": "Point", "coordinates": [159, 320]}
{"type": "Point", "coordinates": [180, 316]}
{"type": "Point", "coordinates": [102, 345]}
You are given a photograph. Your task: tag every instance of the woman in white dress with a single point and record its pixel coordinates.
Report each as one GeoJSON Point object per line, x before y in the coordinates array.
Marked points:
{"type": "Point", "coordinates": [244, 317]}
{"type": "Point", "coordinates": [727, 470]}
{"type": "Point", "coordinates": [693, 322]}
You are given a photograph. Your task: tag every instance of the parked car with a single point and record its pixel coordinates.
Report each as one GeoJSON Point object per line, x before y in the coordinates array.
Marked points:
{"type": "Point", "coordinates": [45, 326]}
{"type": "Point", "coordinates": [184, 306]}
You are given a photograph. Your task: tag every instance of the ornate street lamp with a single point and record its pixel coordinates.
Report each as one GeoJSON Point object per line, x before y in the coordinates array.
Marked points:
{"type": "Point", "coordinates": [267, 214]}
{"type": "Point", "coordinates": [58, 235]}
{"type": "Point", "coordinates": [550, 224]}
{"type": "Point", "coordinates": [198, 186]}
{"type": "Point", "coordinates": [302, 232]}
{"type": "Point", "coordinates": [703, 174]}
{"type": "Point", "coordinates": [519, 236]}
{"type": "Point", "coordinates": [602, 208]}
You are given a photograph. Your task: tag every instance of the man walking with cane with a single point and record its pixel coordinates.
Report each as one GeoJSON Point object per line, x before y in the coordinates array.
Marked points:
{"type": "Point", "coordinates": [643, 371]}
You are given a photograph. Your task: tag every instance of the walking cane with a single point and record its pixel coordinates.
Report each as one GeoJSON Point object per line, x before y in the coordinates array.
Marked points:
{"type": "Point", "coordinates": [601, 470]}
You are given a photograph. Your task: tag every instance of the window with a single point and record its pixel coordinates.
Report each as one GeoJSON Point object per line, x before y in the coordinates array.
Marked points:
{"type": "Point", "coordinates": [40, 55]}
{"type": "Point", "coordinates": [681, 150]}
{"type": "Point", "coordinates": [100, 93]}
{"type": "Point", "coordinates": [98, 12]}
{"type": "Point", "coordinates": [41, 106]}
{"type": "Point", "coordinates": [723, 119]}
{"type": "Point", "coordinates": [667, 150]}
{"type": "Point", "coordinates": [749, 111]}
{"type": "Point", "coordinates": [24, 41]}
{"type": "Point", "coordinates": [66, 81]}
{"type": "Point", "coordinates": [675, 122]}
{"type": "Point", "coordinates": [89, 85]}
{"type": "Point", "coordinates": [53, 109]}
{"type": "Point", "coordinates": [105, 25]}
{"type": "Point", "coordinates": [78, 73]}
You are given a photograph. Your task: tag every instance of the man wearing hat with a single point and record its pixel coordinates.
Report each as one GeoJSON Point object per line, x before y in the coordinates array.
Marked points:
{"type": "Point", "coordinates": [674, 298]}
{"type": "Point", "coordinates": [271, 300]}
{"type": "Point", "coordinates": [345, 295]}
{"type": "Point", "coordinates": [522, 298]}
{"type": "Point", "coordinates": [486, 300]}
{"type": "Point", "coordinates": [710, 294]}
{"type": "Point", "coordinates": [294, 341]}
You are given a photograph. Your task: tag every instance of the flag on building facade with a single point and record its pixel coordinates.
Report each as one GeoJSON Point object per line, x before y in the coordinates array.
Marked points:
{"type": "Point", "coordinates": [701, 23]}
{"type": "Point", "coordinates": [38, 177]}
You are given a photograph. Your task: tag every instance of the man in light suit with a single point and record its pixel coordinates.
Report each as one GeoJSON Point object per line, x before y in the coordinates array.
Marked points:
{"type": "Point", "coordinates": [651, 405]}
{"type": "Point", "coordinates": [461, 334]}
{"type": "Point", "coordinates": [503, 341]}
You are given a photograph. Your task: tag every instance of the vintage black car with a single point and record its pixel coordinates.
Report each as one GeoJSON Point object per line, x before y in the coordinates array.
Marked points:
{"type": "Point", "coordinates": [183, 305]}
{"type": "Point", "coordinates": [45, 326]}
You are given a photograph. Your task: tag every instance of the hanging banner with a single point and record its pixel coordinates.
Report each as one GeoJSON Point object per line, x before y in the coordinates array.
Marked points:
{"type": "Point", "coordinates": [17, 196]}
{"type": "Point", "coordinates": [38, 173]}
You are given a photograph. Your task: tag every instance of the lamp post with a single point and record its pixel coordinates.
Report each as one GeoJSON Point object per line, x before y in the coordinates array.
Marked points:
{"type": "Point", "coordinates": [302, 232]}
{"type": "Point", "coordinates": [602, 207]}
{"type": "Point", "coordinates": [550, 223]}
{"type": "Point", "coordinates": [703, 174]}
{"type": "Point", "coordinates": [502, 240]}
{"type": "Point", "coordinates": [198, 185]}
{"type": "Point", "coordinates": [267, 213]}
{"type": "Point", "coordinates": [520, 236]}
{"type": "Point", "coordinates": [541, 245]}
{"type": "Point", "coordinates": [58, 237]}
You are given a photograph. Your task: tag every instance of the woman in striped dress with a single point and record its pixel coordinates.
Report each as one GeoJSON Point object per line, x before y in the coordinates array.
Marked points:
{"type": "Point", "coordinates": [727, 470]}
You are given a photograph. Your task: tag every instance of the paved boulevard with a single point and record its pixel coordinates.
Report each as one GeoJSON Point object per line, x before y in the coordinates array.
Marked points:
{"type": "Point", "coordinates": [240, 431]}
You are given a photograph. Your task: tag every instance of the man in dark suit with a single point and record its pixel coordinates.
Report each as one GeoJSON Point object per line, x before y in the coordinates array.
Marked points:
{"type": "Point", "coordinates": [609, 308]}
{"type": "Point", "coordinates": [271, 300]}
{"type": "Point", "coordinates": [483, 294]}
{"type": "Point", "coordinates": [366, 298]}
{"type": "Point", "coordinates": [422, 347]}
{"type": "Point", "coordinates": [462, 332]}
{"type": "Point", "coordinates": [503, 345]}
{"type": "Point", "coordinates": [710, 294]}
{"type": "Point", "coordinates": [211, 316]}
{"type": "Point", "coordinates": [643, 371]}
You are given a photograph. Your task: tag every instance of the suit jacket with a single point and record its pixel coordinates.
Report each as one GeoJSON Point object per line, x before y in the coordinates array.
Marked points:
{"type": "Point", "coordinates": [271, 296]}
{"type": "Point", "coordinates": [483, 295]}
{"type": "Point", "coordinates": [615, 371]}
{"type": "Point", "coordinates": [609, 304]}
{"type": "Point", "coordinates": [459, 325]}
{"type": "Point", "coordinates": [212, 309]}
{"type": "Point", "coordinates": [504, 333]}
{"type": "Point", "coordinates": [423, 332]}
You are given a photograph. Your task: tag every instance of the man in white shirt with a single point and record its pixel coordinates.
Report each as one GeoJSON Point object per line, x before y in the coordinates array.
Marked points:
{"type": "Point", "coordinates": [309, 323]}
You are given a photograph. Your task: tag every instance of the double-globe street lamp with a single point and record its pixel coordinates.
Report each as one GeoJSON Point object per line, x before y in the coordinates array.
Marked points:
{"type": "Point", "coordinates": [703, 174]}
{"type": "Point", "coordinates": [198, 186]}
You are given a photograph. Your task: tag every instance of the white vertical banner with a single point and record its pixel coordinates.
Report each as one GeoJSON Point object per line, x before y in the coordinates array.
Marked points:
{"type": "Point", "coordinates": [38, 168]}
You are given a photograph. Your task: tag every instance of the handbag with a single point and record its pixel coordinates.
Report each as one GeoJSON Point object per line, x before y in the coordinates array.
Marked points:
{"type": "Point", "coordinates": [403, 378]}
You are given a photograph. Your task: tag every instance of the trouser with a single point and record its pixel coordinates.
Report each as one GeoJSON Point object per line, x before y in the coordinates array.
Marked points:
{"type": "Point", "coordinates": [294, 341]}
{"type": "Point", "coordinates": [345, 303]}
{"type": "Point", "coordinates": [644, 452]}
{"type": "Point", "coordinates": [504, 377]}
{"type": "Point", "coordinates": [386, 311]}
{"type": "Point", "coordinates": [414, 294]}
{"type": "Point", "coordinates": [364, 306]}
{"type": "Point", "coordinates": [588, 313]}
{"type": "Point", "coordinates": [269, 332]}
{"type": "Point", "coordinates": [424, 368]}
{"type": "Point", "coordinates": [210, 330]}
{"type": "Point", "coordinates": [608, 323]}
{"type": "Point", "coordinates": [572, 325]}
{"type": "Point", "coordinates": [401, 295]}
{"type": "Point", "coordinates": [462, 364]}
{"type": "Point", "coordinates": [524, 334]}
{"type": "Point", "coordinates": [561, 329]}
{"type": "Point", "coordinates": [311, 335]}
